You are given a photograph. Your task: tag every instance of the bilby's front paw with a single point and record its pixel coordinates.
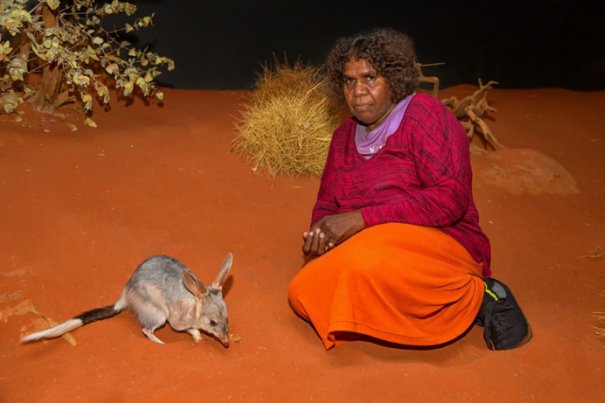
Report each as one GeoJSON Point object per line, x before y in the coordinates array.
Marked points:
{"type": "Point", "coordinates": [195, 333]}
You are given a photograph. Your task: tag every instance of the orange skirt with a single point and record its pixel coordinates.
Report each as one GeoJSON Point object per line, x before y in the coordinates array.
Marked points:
{"type": "Point", "coordinates": [399, 283]}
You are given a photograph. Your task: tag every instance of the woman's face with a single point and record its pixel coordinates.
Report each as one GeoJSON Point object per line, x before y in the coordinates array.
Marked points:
{"type": "Point", "coordinates": [367, 94]}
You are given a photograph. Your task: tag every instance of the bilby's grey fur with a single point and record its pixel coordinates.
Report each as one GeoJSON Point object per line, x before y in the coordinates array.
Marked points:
{"type": "Point", "coordinates": [163, 290]}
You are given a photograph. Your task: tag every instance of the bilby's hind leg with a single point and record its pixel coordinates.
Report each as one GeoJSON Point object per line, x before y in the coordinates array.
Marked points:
{"type": "Point", "coordinates": [151, 336]}
{"type": "Point", "coordinates": [151, 318]}
{"type": "Point", "coordinates": [195, 333]}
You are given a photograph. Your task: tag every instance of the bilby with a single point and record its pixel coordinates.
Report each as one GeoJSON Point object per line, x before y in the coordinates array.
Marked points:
{"type": "Point", "coordinates": [163, 290]}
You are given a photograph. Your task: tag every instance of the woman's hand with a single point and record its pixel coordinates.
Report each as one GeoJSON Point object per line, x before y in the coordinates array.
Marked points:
{"type": "Point", "coordinates": [315, 243]}
{"type": "Point", "coordinates": [330, 231]}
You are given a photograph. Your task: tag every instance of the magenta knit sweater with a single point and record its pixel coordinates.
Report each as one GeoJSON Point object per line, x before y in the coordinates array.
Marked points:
{"type": "Point", "coordinates": [421, 176]}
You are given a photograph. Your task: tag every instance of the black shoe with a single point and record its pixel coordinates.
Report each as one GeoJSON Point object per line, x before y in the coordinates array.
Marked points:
{"type": "Point", "coordinates": [505, 326]}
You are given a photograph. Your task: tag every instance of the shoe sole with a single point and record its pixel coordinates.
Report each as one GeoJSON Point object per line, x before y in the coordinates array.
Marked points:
{"type": "Point", "coordinates": [523, 341]}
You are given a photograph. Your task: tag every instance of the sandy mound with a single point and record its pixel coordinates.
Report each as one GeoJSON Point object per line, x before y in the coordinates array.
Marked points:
{"type": "Point", "coordinates": [524, 171]}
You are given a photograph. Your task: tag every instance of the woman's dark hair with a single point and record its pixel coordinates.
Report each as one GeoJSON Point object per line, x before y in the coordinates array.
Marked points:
{"type": "Point", "coordinates": [389, 51]}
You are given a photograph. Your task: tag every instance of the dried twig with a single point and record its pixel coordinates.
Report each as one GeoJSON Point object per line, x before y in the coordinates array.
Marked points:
{"type": "Point", "coordinates": [600, 317]}
{"type": "Point", "coordinates": [596, 253]}
{"type": "Point", "coordinates": [471, 111]}
{"type": "Point", "coordinates": [67, 337]}
{"type": "Point", "coordinates": [434, 80]}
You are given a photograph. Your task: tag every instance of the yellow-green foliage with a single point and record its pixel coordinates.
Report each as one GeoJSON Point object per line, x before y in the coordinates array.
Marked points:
{"type": "Point", "coordinates": [287, 123]}
{"type": "Point", "coordinates": [79, 45]}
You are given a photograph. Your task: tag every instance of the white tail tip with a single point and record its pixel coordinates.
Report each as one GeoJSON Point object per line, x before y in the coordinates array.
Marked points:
{"type": "Point", "coordinates": [55, 331]}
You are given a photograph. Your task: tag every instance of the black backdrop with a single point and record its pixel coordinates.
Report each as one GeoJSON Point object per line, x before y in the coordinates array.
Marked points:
{"type": "Point", "coordinates": [221, 44]}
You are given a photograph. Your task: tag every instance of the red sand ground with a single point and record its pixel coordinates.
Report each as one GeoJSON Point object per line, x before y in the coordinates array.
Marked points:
{"type": "Point", "coordinates": [81, 209]}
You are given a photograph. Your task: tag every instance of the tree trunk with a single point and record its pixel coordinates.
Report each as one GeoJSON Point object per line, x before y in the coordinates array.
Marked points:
{"type": "Point", "coordinates": [46, 97]}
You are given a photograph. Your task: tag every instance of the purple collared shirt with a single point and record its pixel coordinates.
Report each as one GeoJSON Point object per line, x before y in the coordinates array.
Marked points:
{"type": "Point", "coordinates": [369, 143]}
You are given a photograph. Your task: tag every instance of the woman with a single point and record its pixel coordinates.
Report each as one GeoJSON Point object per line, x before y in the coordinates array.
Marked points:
{"type": "Point", "coordinates": [398, 252]}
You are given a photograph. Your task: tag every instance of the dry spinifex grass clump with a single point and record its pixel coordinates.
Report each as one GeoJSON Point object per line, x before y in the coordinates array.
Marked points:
{"type": "Point", "coordinates": [287, 123]}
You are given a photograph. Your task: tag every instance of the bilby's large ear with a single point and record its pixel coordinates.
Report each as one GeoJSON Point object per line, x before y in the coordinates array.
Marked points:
{"type": "Point", "coordinates": [223, 272]}
{"type": "Point", "coordinates": [194, 285]}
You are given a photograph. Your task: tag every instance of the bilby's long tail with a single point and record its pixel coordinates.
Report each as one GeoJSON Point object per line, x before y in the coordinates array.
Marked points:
{"type": "Point", "coordinates": [83, 319]}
